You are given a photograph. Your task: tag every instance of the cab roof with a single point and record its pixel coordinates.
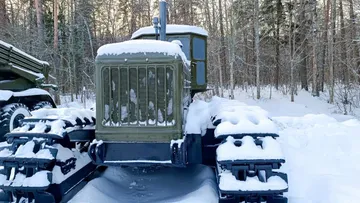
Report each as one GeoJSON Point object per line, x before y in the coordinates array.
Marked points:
{"type": "Point", "coordinates": [171, 29]}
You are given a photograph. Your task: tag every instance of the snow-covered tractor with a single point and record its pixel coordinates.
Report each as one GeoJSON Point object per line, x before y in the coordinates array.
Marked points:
{"type": "Point", "coordinates": [145, 117]}
{"type": "Point", "coordinates": [22, 78]}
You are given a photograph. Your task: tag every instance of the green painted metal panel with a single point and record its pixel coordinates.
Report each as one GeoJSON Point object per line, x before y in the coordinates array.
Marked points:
{"type": "Point", "coordinates": [20, 70]}
{"type": "Point", "coordinates": [140, 97]}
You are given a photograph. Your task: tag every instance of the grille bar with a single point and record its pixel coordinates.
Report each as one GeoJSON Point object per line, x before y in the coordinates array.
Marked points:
{"type": "Point", "coordinates": [119, 94]}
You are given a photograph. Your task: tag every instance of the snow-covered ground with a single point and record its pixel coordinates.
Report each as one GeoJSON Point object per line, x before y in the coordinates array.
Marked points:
{"type": "Point", "coordinates": [163, 185]}
{"type": "Point", "coordinates": [320, 148]}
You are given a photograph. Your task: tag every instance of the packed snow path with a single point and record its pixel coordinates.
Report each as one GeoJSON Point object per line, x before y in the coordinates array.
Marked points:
{"type": "Point", "coordinates": [161, 185]}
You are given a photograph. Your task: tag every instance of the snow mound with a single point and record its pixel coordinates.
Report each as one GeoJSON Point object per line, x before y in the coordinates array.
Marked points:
{"type": "Point", "coordinates": [198, 118]}
{"type": "Point", "coordinates": [236, 118]}
{"type": "Point", "coordinates": [7, 94]}
{"type": "Point", "coordinates": [269, 149]}
{"type": "Point", "coordinates": [195, 184]}
{"type": "Point", "coordinates": [69, 114]}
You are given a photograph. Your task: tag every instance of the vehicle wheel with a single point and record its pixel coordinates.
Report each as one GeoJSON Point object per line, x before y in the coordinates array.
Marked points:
{"type": "Point", "coordinates": [42, 104]}
{"type": "Point", "coordinates": [10, 116]}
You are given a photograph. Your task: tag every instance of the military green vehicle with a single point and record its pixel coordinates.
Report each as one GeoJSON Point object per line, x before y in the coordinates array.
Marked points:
{"type": "Point", "coordinates": [145, 118]}
{"type": "Point", "coordinates": [21, 79]}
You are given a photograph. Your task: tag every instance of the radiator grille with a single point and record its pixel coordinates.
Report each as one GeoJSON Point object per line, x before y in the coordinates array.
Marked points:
{"type": "Point", "coordinates": [138, 95]}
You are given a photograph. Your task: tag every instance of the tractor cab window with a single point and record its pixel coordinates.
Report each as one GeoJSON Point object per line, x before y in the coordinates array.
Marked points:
{"type": "Point", "coordinates": [185, 42]}
{"type": "Point", "coordinates": [198, 48]}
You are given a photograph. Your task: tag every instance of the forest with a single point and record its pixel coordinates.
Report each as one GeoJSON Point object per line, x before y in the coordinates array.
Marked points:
{"type": "Point", "coordinates": [285, 45]}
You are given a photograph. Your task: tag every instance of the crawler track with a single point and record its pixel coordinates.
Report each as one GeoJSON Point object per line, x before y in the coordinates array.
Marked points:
{"type": "Point", "coordinates": [45, 158]}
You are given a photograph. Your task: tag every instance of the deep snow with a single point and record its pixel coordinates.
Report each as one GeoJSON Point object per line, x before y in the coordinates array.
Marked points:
{"type": "Point", "coordinates": [320, 148]}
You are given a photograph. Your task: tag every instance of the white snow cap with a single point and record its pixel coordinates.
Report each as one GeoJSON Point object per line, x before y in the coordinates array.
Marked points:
{"type": "Point", "coordinates": [142, 46]}
{"type": "Point", "coordinates": [236, 118]}
{"type": "Point", "coordinates": [6, 94]}
{"type": "Point", "coordinates": [178, 42]}
{"type": "Point", "coordinates": [171, 29]}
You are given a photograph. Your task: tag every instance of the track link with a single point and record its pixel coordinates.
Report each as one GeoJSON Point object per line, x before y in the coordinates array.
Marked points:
{"type": "Point", "coordinates": [42, 159]}
{"type": "Point", "coordinates": [246, 170]}
{"type": "Point", "coordinates": [248, 157]}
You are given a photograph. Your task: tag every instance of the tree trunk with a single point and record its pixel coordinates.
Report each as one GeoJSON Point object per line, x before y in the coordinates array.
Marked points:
{"type": "Point", "coordinates": [222, 41]}
{"type": "Point", "coordinates": [315, 90]}
{"type": "Point", "coordinates": [331, 51]}
{"type": "Point", "coordinates": [232, 52]}
{"type": "Point", "coordinates": [304, 46]}
{"type": "Point", "coordinates": [343, 50]}
{"type": "Point", "coordinates": [257, 48]}
{"type": "Point", "coordinates": [355, 48]}
{"type": "Point", "coordinates": [4, 20]}
{"type": "Point", "coordinates": [220, 76]}
{"type": "Point", "coordinates": [40, 23]}
{"type": "Point", "coordinates": [291, 47]}
{"type": "Point", "coordinates": [56, 49]}
{"type": "Point", "coordinates": [278, 22]}
{"type": "Point", "coordinates": [325, 42]}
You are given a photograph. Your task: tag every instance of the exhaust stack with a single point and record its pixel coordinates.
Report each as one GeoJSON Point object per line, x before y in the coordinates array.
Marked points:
{"type": "Point", "coordinates": [163, 15]}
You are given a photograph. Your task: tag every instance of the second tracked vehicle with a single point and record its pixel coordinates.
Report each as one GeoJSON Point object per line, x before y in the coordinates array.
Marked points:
{"type": "Point", "coordinates": [22, 83]}
{"type": "Point", "coordinates": [146, 116]}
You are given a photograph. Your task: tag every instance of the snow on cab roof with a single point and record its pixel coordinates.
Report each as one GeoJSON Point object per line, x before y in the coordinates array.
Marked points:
{"type": "Point", "coordinates": [142, 46]}
{"type": "Point", "coordinates": [23, 53]}
{"type": "Point", "coordinates": [171, 29]}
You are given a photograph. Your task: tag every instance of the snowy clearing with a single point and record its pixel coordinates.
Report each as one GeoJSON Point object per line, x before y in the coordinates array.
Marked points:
{"type": "Point", "coordinates": [320, 148]}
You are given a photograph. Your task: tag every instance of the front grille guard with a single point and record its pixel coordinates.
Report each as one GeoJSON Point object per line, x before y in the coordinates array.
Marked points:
{"type": "Point", "coordinates": [138, 95]}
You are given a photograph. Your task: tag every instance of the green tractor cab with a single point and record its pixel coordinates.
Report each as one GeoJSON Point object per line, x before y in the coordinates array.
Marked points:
{"type": "Point", "coordinates": [143, 91]}
{"type": "Point", "coordinates": [193, 41]}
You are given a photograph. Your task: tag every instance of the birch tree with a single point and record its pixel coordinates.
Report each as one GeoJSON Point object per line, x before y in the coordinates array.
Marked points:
{"type": "Point", "coordinates": [257, 47]}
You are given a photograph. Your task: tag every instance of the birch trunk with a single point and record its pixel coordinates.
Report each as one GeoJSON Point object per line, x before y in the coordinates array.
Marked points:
{"type": "Point", "coordinates": [257, 47]}
{"type": "Point", "coordinates": [331, 51]}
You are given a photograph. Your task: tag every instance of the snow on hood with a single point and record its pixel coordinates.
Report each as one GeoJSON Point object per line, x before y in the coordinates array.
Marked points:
{"type": "Point", "coordinates": [142, 46]}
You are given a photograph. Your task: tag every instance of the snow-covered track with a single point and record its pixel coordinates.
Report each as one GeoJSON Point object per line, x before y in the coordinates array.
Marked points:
{"type": "Point", "coordinates": [247, 159]}
{"type": "Point", "coordinates": [46, 157]}
{"type": "Point", "coordinates": [245, 170]}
